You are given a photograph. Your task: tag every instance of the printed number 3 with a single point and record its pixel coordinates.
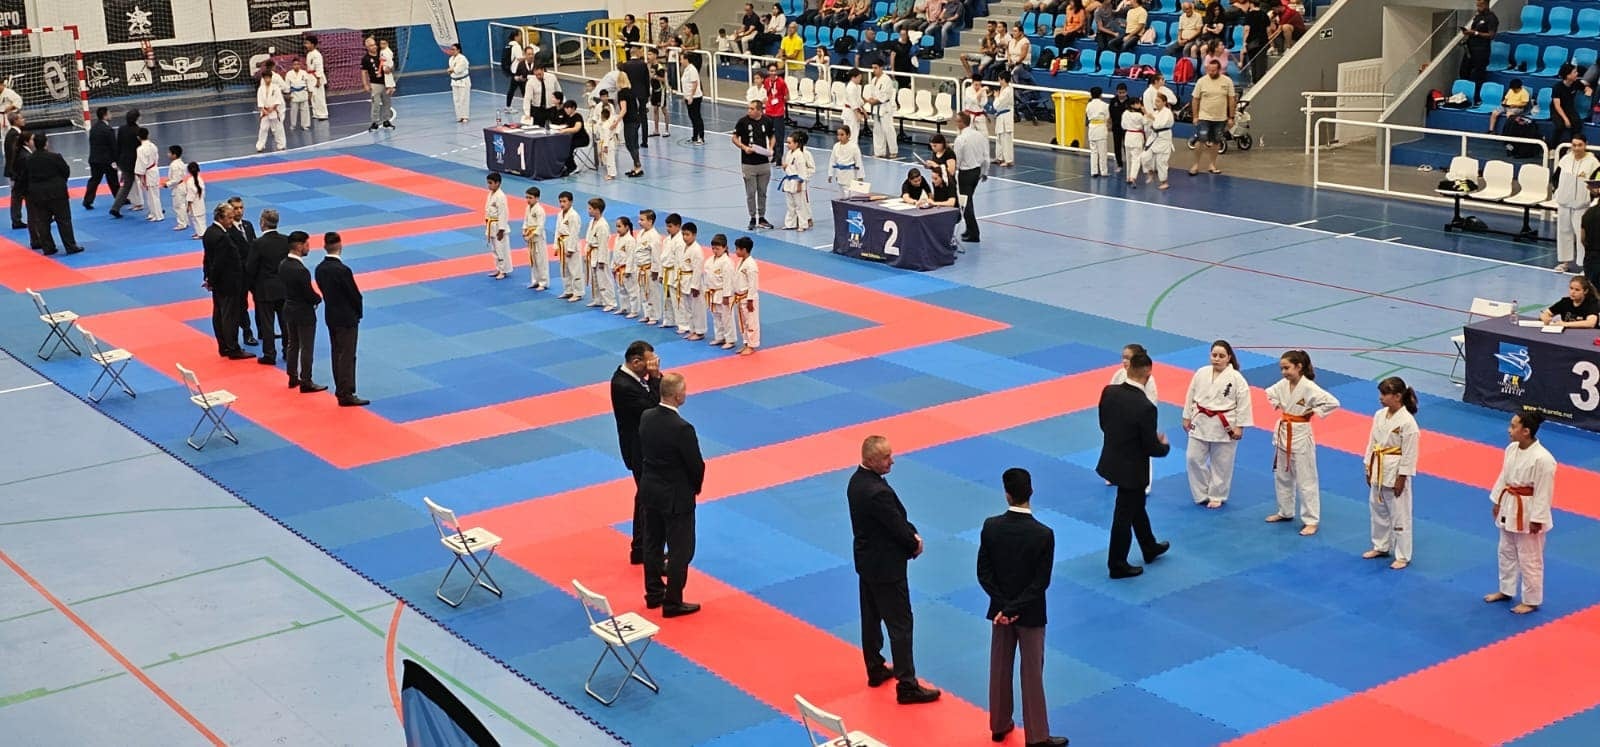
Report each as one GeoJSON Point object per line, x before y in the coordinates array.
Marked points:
{"type": "Point", "coordinates": [890, 249]}
{"type": "Point", "coordinates": [1588, 395]}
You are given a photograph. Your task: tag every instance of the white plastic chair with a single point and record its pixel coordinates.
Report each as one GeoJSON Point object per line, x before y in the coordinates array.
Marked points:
{"type": "Point", "coordinates": [112, 363]}
{"type": "Point", "coordinates": [832, 728]}
{"type": "Point", "coordinates": [214, 407]}
{"type": "Point", "coordinates": [924, 101]}
{"type": "Point", "coordinates": [838, 94]}
{"type": "Point", "coordinates": [806, 94]}
{"type": "Point", "coordinates": [1463, 167]}
{"type": "Point", "coordinates": [905, 102]}
{"type": "Point", "coordinates": [824, 95]}
{"type": "Point", "coordinates": [1533, 183]}
{"type": "Point", "coordinates": [943, 107]}
{"type": "Point", "coordinates": [617, 632]}
{"type": "Point", "coordinates": [1481, 308]}
{"type": "Point", "coordinates": [1498, 181]}
{"type": "Point", "coordinates": [794, 87]}
{"type": "Point", "coordinates": [59, 322]}
{"type": "Point", "coordinates": [464, 544]}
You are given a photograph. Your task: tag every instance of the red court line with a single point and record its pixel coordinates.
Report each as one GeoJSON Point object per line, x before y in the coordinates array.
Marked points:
{"type": "Point", "coordinates": [761, 649]}
{"type": "Point", "coordinates": [106, 646]}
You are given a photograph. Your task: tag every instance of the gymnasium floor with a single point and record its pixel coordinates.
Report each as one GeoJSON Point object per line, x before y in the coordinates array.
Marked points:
{"type": "Point", "coordinates": [489, 398]}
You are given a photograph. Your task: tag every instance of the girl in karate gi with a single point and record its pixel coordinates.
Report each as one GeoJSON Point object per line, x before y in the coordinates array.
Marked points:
{"type": "Point", "coordinates": [606, 139]}
{"type": "Point", "coordinates": [1391, 467]}
{"type": "Point", "coordinates": [623, 271]}
{"type": "Point", "coordinates": [974, 99]}
{"type": "Point", "coordinates": [1002, 109]}
{"type": "Point", "coordinates": [196, 205]}
{"type": "Point", "coordinates": [844, 161]}
{"type": "Point", "coordinates": [147, 171]}
{"type": "Point", "coordinates": [798, 167]}
{"type": "Point", "coordinates": [185, 204]}
{"type": "Point", "coordinates": [851, 110]}
{"type": "Point", "coordinates": [1297, 398]}
{"type": "Point", "coordinates": [1098, 113]}
{"type": "Point", "coordinates": [1215, 412]}
{"type": "Point", "coordinates": [1121, 377]}
{"type": "Point", "coordinates": [1522, 496]}
{"type": "Point", "coordinates": [1158, 139]}
{"type": "Point", "coordinates": [1133, 139]}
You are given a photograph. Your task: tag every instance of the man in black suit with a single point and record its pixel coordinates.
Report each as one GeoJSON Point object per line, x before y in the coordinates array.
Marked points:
{"type": "Point", "coordinates": [343, 317]}
{"type": "Point", "coordinates": [635, 387]}
{"type": "Point", "coordinates": [884, 542]}
{"type": "Point", "coordinates": [299, 314]}
{"type": "Point", "coordinates": [1128, 420]}
{"type": "Point", "coordinates": [224, 277]}
{"type": "Point", "coordinates": [261, 275]}
{"type": "Point", "coordinates": [672, 472]}
{"type": "Point", "coordinates": [47, 197]}
{"type": "Point", "coordinates": [127, 154]}
{"type": "Point", "coordinates": [1015, 556]}
{"type": "Point", "coordinates": [102, 158]}
{"type": "Point", "coordinates": [244, 237]}
{"type": "Point", "coordinates": [18, 177]}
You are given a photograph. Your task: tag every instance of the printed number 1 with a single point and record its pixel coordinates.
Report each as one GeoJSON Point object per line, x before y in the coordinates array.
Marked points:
{"type": "Point", "coordinates": [891, 250]}
{"type": "Point", "coordinates": [1588, 395]}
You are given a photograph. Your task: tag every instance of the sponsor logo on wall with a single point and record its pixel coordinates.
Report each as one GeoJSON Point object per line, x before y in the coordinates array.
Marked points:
{"type": "Point", "coordinates": [55, 81]}
{"type": "Point", "coordinates": [138, 20]}
{"type": "Point", "coordinates": [229, 64]}
{"type": "Point", "coordinates": [220, 66]}
{"type": "Point", "coordinates": [278, 15]}
{"type": "Point", "coordinates": [182, 69]}
{"type": "Point", "coordinates": [13, 14]}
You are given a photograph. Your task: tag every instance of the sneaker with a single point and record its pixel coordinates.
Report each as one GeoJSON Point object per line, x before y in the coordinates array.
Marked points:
{"type": "Point", "coordinates": [764, 224]}
{"type": "Point", "coordinates": [373, 128]}
{"type": "Point", "coordinates": [388, 124]}
{"type": "Point", "coordinates": [752, 225]}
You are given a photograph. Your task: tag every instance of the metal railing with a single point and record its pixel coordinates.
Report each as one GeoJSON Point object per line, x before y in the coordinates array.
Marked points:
{"type": "Point", "coordinates": [1311, 109]}
{"type": "Point", "coordinates": [1385, 162]}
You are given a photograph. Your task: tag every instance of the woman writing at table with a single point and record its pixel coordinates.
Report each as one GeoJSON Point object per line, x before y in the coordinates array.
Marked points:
{"type": "Point", "coordinates": [1579, 309]}
{"type": "Point", "coordinates": [913, 189]}
{"type": "Point", "coordinates": [941, 191]}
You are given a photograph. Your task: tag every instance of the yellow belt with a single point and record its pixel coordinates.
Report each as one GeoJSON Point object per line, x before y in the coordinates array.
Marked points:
{"type": "Point", "coordinates": [1375, 467]}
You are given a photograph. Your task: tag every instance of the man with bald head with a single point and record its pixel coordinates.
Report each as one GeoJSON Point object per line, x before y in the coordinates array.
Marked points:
{"type": "Point", "coordinates": [884, 542]}
{"type": "Point", "coordinates": [672, 472]}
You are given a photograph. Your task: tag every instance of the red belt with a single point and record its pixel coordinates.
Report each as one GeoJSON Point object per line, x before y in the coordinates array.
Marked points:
{"type": "Point", "coordinates": [1521, 492]}
{"type": "Point", "coordinates": [1220, 415]}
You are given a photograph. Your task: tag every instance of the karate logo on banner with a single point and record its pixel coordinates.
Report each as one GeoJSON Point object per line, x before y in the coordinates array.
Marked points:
{"type": "Point", "coordinates": [1516, 368]}
{"type": "Point", "coordinates": [129, 21]}
{"type": "Point", "coordinates": [858, 228]}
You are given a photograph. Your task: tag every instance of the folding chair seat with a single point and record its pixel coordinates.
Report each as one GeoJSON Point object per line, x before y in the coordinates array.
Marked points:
{"type": "Point", "coordinates": [464, 545]}
{"type": "Point", "coordinates": [59, 322]}
{"type": "Point", "coordinates": [1498, 182]}
{"type": "Point", "coordinates": [112, 363]}
{"type": "Point", "coordinates": [1499, 56]}
{"type": "Point", "coordinates": [1533, 185]}
{"type": "Point", "coordinates": [831, 727]}
{"type": "Point", "coordinates": [925, 111]}
{"type": "Point", "coordinates": [617, 632]}
{"type": "Point", "coordinates": [214, 407]}
{"type": "Point", "coordinates": [805, 94]}
{"type": "Point", "coordinates": [1486, 309]}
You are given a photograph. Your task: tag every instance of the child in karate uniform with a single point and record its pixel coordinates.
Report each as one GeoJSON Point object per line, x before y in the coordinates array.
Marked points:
{"type": "Point", "coordinates": [671, 259]}
{"type": "Point", "coordinates": [1391, 468]}
{"type": "Point", "coordinates": [597, 256]}
{"type": "Point", "coordinates": [1002, 109]}
{"type": "Point", "coordinates": [844, 161]}
{"type": "Point", "coordinates": [605, 138]}
{"type": "Point", "coordinates": [567, 228]}
{"type": "Point", "coordinates": [798, 167]}
{"type": "Point", "coordinates": [1121, 377]}
{"type": "Point", "coordinates": [1133, 139]}
{"type": "Point", "coordinates": [299, 82]}
{"type": "Point", "coordinates": [1098, 112]}
{"type": "Point", "coordinates": [649, 264]}
{"type": "Point", "coordinates": [533, 234]}
{"type": "Point", "coordinates": [747, 294]}
{"type": "Point", "coordinates": [496, 219]}
{"type": "Point", "coordinates": [1294, 451]}
{"type": "Point", "coordinates": [185, 203]}
{"type": "Point", "coordinates": [719, 292]}
{"type": "Point", "coordinates": [622, 268]}
{"type": "Point", "coordinates": [1522, 496]}
{"type": "Point", "coordinates": [1215, 412]}
{"type": "Point", "coordinates": [1158, 139]}
{"type": "Point", "coordinates": [147, 170]}
{"type": "Point", "coordinates": [691, 286]}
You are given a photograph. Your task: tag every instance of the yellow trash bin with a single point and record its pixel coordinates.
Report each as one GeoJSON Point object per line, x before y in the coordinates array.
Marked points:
{"type": "Point", "coordinates": [1071, 129]}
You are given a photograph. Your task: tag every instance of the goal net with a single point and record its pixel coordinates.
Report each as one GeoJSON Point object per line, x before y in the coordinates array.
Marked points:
{"type": "Point", "coordinates": [44, 66]}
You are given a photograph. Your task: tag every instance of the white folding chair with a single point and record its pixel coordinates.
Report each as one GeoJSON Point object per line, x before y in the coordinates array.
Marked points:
{"type": "Point", "coordinates": [112, 363]}
{"type": "Point", "coordinates": [1481, 308]}
{"type": "Point", "coordinates": [1498, 183]}
{"type": "Point", "coordinates": [1533, 185]}
{"type": "Point", "coordinates": [214, 406]}
{"type": "Point", "coordinates": [807, 93]}
{"type": "Point", "coordinates": [617, 632]}
{"type": "Point", "coordinates": [464, 544]}
{"type": "Point", "coordinates": [924, 101]}
{"type": "Point", "coordinates": [832, 728]}
{"type": "Point", "coordinates": [1462, 167]}
{"type": "Point", "coordinates": [59, 322]}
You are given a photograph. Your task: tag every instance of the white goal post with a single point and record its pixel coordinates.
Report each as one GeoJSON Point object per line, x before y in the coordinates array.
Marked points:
{"type": "Point", "coordinates": [42, 69]}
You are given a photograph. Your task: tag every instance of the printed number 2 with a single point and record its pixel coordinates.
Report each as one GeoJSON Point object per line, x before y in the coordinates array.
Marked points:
{"type": "Point", "coordinates": [889, 247]}
{"type": "Point", "coordinates": [1588, 395]}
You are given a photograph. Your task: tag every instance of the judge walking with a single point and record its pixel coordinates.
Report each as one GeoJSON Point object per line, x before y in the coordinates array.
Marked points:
{"type": "Point", "coordinates": [1128, 420]}
{"type": "Point", "coordinates": [672, 472]}
{"type": "Point", "coordinates": [635, 387]}
{"type": "Point", "coordinates": [342, 313]}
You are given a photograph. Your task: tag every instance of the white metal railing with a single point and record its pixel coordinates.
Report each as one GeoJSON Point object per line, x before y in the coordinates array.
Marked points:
{"type": "Point", "coordinates": [1386, 161]}
{"type": "Point", "coordinates": [1311, 109]}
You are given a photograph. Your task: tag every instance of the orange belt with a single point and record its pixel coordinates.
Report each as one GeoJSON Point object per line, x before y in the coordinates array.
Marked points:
{"type": "Point", "coordinates": [1288, 438]}
{"type": "Point", "coordinates": [1375, 467]}
{"type": "Point", "coordinates": [1521, 492]}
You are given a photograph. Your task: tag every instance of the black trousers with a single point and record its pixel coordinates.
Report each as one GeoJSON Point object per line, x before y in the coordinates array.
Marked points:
{"type": "Point", "coordinates": [697, 121]}
{"type": "Point", "coordinates": [777, 138]}
{"type": "Point", "coordinates": [513, 90]}
{"type": "Point", "coordinates": [630, 138]}
{"type": "Point", "coordinates": [125, 189]}
{"type": "Point", "coordinates": [299, 340]}
{"type": "Point", "coordinates": [1117, 138]}
{"type": "Point", "coordinates": [1256, 57]}
{"type": "Point", "coordinates": [539, 115]}
{"type": "Point", "coordinates": [244, 313]}
{"type": "Point", "coordinates": [636, 547]}
{"type": "Point", "coordinates": [98, 171]}
{"type": "Point", "coordinates": [967, 185]}
{"type": "Point", "coordinates": [666, 533]}
{"type": "Point", "coordinates": [343, 342]}
{"type": "Point", "coordinates": [1129, 520]}
{"type": "Point", "coordinates": [887, 604]}
{"type": "Point", "coordinates": [17, 200]}
{"type": "Point", "coordinates": [269, 320]}
{"type": "Point", "coordinates": [225, 320]}
{"type": "Point", "coordinates": [42, 212]}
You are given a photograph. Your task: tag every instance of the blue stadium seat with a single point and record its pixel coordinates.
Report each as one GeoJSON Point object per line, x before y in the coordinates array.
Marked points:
{"type": "Point", "coordinates": [1161, 32]}
{"type": "Point", "coordinates": [1166, 65]}
{"type": "Point", "coordinates": [1552, 60]}
{"type": "Point", "coordinates": [1048, 21]}
{"type": "Point", "coordinates": [1560, 20]}
{"type": "Point", "coordinates": [880, 9]}
{"type": "Point", "coordinates": [1583, 57]}
{"type": "Point", "coordinates": [1030, 20]}
{"type": "Point", "coordinates": [1526, 55]}
{"type": "Point", "coordinates": [1588, 24]}
{"type": "Point", "coordinates": [1541, 103]}
{"type": "Point", "coordinates": [1107, 62]}
{"type": "Point", "coordinates": [1236, 42]}
{"type": "Point", "coordinates": [1147, 60]}
{"type": "Point", "coordinates": [808, 34]}
{"type": "Point", "coordinates": [1126, 60]}
{"type": "Point", "coordinates": [1491, 94]}
{"type": "Point", "coordinates": [1465, 87]}
{"type": "Point", "coordinates": [1532, 20]}
{"type": "Point", "coordinates": [1499, 56]}
{"type": "Point", "coordinates": [927, 41]}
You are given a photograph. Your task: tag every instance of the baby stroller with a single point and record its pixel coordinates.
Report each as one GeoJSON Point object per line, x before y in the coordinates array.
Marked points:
{"type": "Point", "coordinates": [1238, 134]}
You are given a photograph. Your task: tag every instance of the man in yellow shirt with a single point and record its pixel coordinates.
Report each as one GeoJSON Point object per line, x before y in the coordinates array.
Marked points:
{"type": "Point", "coordinates": [1514, 104]}
{"type": "Point", "coordinates": [1213, 101]}
{"type": "Point", "coordinates": [793, 49]}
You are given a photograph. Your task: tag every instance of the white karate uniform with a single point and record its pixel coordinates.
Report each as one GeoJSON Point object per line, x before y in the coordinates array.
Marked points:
{"type": "Point", "coordinates": [972, 101]}
{"type": "Point", "coordinates": [692, 277]}
{"type": "Point", "coordinates": [1133, 142]}
{"type": "Point", "coordinates": [606, 139]}
{"type": "Point", "coordinates": [719, 296]}
{"type": "Point", "coordinates": [1294, 449]}
{"type": "Point", "coordinates": [747, 300]}
{"type": "Point", "coordinates": [270, 97]}
{"type": "Point", "coordinates": [597, 255]}
{"type": "Point", "coordinates": [186, 204]}
{"type": "Point", "coordinates": [639, 263]}
{"type": "Point", "coordinates": [1521, 550]}
{"type": "Point", "coordinates": [1392, 451]}
{"type": "Point", "coordinates": [884, 142]}
{"type": "Point", "coordinates": [623, 272]}
{"type": "Point", "coordinates": [1005, 124]}
{"type": "Point", "coordinates": [1098, 112]}
{"type": "Point", "coordinates": [147, 169]}
{"type": "Point", "coordinates": [567, 239]}
{"type": "Point", "coordinates": [538, 250]}
{"type": "Point", "coordinates": [497, 219]}
{"type": "Point", "coordinates": [844, 164]}
{"type": "Point", "coordinates": [1572, 198]}
{"type": "Point", "coordinates": [299, 86]}
{"type": "Point", "coordinates": [798, 167]}
{"type": "Point", "coordinates": [850, 111]}
{"type": "Point", "coordinates": [671, 260]}
{"type": "Point", "coordinates": [1158, 136]}
{"type": "Point", "coordinates": [1211, 449]}
{"type": "Point", "coordinates": [319, 84]}
{"type": "Point", "coordinates": [461, 85]}
{"type": "Point", "coordinates": [650, 275]}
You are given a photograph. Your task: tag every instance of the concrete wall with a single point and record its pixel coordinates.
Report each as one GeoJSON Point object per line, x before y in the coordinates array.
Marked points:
{"type": "Point", "coordinates": [1350, 30]}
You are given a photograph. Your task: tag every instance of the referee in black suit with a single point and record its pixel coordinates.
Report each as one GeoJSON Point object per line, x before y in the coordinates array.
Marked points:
{"type": "Point", "coordinates": [341, 312]}
{"type": "Point", "coordinates": [635, 387]}
{"type": "Point", "coordinates": [1128, 420]}
{"type": "Point", "coordinates": [884, 543]}
{"type": "Point", "coordinates": [224, 277]}
{"type": "Point", "coordinates": [672, 474]}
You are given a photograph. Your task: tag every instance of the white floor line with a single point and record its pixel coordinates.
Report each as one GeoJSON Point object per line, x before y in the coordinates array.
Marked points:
{"type": "Point", "coordinates": [1304, 223]}
{"type": "Point", "coordinates": [1037, 207]}
{"type": "Point", "coordinates": [26, 388]}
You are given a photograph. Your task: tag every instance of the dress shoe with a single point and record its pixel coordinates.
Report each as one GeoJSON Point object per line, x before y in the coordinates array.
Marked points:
{"type": "Point", "coordinates": [652, 603]}
{"type": "Point", "coordinates": [239, 355]}
{"type": "Point", "coordinates": [116, 213]}
{"type": "Point", "coordinates": [1127, 571]}
{"type": "Point", "coordinates": [878, 676]}
{"type": "Point", "coordinates": [918, 693]}
{"type": "Point", "coordinates": [251, 340]}
{"type": "Point", "coordinates": [294, 383]}
{"type": "Point", "coordinates": [636, 559]}
{"type": "Point", "coordinates": [311, 387]}
{"type": "Point", "coordinates": [267, 360]}
{"type": "Point", "coordinates": [1000, 736]}
{"type": "Point", "coordinates": [679, 610]}
{"type": "Point", "coordinates": [1161, 549]}
{"type": "Point", "coordinates": [18, 226]}
{"type": "Point", "coordinates": [353, 401]}
{"type": "Point", "coordinates": [48, 251]}
{"type": "Point", "coordinates": [74, 249]}
{"type": "Point", "coordinates": [1051, 742]}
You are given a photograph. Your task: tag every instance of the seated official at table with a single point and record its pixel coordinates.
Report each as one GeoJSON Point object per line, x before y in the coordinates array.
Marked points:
{"type": "Point", "coordinates": [569, 122]}
{"type": "Point", "coordinates": [941, 191]}
{"type": "Point", "coordinates": [914, 188]}
{"type": "Point", "coordinates": [1579, 309]}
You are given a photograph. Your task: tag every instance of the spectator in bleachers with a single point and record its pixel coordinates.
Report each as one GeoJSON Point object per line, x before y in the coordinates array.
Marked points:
{"type": "Point", "coordinates": [952, 20]}
{"type": "Point", "coordinates": [1107, 27]}
{"type": "Point", "coordinates": [744, 39]}
{"type": "Point", "coordinates": [776, 21]}
{"type": "Point", "coordinates": [1189, 25]}
{"type": "Point", "coordinates": [1214, 51]}
{"type": "Point", "coordinates": [899, 11]}
{"type": "Point", "coordinates": [860, 12]}
{"type": "Point", "coordinates": [867, 52]}
{"type": "Point", "coordinates": [920, 10]}
{"type": "Point", "coordinates": [833, 13]}
{"type": "Point", "coordinates": [1256, 24]}
{"type": "Point", "coordinates": [1072, 25]}
{"type": "Point", "coordinates": [1564, 115]}
{"type": "Point", "coordinates": [1212, 28]}
{"type": "Point", "coordinates": [977, 65]}
{"type": "Point", "coordinates": [1478, 33]}
{"type": "Point", "coordinates": [902, 56]}
{"type": "Point", "coordinates": [1287, 26]}
{"type": "Point", "coordinates": [1134, 22]}
{"type": "Point", "coordinates": [1513, 104]}
{"type": "Point", "coordinates": [793, 49]}
{"type": "Point", "coordinates": [1020, 51]}
{"type": "Point", "coordinates": [811, 15]}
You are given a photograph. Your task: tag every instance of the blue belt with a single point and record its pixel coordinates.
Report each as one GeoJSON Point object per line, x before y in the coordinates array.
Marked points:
{"type": "Point", "coordinates": [846, 166]}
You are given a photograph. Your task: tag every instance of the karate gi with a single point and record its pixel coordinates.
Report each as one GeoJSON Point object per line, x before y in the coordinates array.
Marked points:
{"type": "Point", "coordinates": [798, 167]}
{"type": "Point", "coordinates": [147, 170]}
{"type": "Point", "coordinates": [639, 265]}
{"type": "Point", "coordinates": [461, 85]}
{"type": "Point", "coordinates": [1215, 402]}
{"type": "Point", "coordinates": [1523, 494]}
{"type": "Point", "coordinates": [1098, 113]}
{"type": "Point", "coordinates": [692, 277]}
{"type": "Point", "coordinates": [497, 230]}
{"type": "Point", "coordinates": [1133, 142]}
{"type": "Point", "coordinates": [538, 250]}
{"type": "Point", "coordinates": [1572, 198]}
{"type": "Point", "coordinates": [650, 275]}
{"type": "Point", "coordinates": [567, 228]}
{"type": "Point", "coordinates": [850, 111]}
{"type": "Point", "coordinates": [973, 100]}
{"type": "Point", "coordinates": [719, 296]}
{"type": "Point", "coordinates": [1158, 139]}
{"type": "Point", "coordinates": [319, 84]}
{"type": "Point", "coordinates": [884, 89]}
{"type": "Point", "coordinates": [269, 97]}
{"type": "Point", "coordinates": [747, 300]}
{"type": "Point", "coordinates": [844, 164]}
{"type": "Point", "coordinates": [606, 140]}
{"type": "Point", "coordinates": [671, 260]}
{"type": "Point", "coordinates": [299, 116]}
{"type": "Point", "coordinates": [1294, 450]}
{"type": "Point", "coordinates": [1392, 451]}
{"type": "Point", "coordinates": [596, 253]}
{"type": "Point", "coordinates": [623, 274]}
{"type": "Point", "coordinates": [1004, 105]}
{"type": "Point", "coordinates": [186, 203]}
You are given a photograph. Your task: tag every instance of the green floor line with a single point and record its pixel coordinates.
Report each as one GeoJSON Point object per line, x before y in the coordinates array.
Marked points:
{"type": "Point", "coordinates": [1150, 315]}
{"type": "Point", "coordinates": [176, 657]}
{"type": "Point", "coordinates": [162, 582]}
{"type": "Point", "coordinates": [76, 470]}
{"type": "Point", "coordinates": [1388, 292]}
{"type": "Point", "coordinates": [40, 692]}
{"type": "Point", "coordinates": [121, 513]}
